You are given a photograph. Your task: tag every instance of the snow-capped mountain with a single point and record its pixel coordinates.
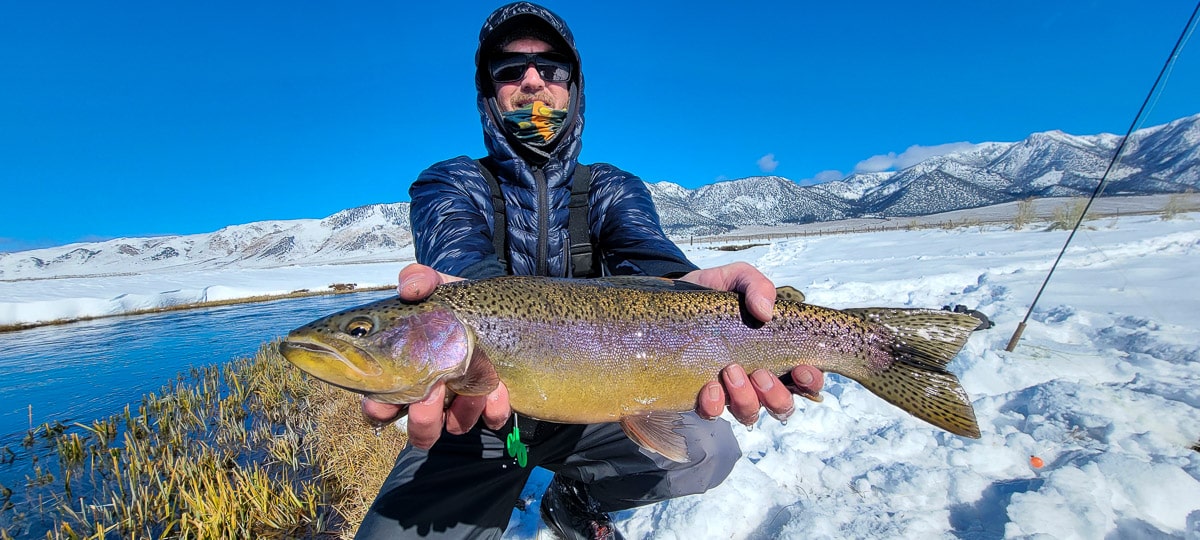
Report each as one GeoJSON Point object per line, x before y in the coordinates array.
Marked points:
{"type": "Point", "coordinates": [367, 233]}
{"type": "Point", "coordinates": [1160, 159]}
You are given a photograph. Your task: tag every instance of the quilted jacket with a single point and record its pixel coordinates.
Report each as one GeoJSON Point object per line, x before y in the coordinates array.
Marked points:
{"type": "Point", "coordinates": [452, 214]}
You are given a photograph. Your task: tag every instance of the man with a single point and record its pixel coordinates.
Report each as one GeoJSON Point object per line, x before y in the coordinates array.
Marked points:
{"type": "Point", "coordinates": [455, 478]}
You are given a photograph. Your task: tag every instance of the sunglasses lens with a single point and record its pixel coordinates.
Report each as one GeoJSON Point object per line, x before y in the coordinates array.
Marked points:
{"type": "Point", "coordinates": [512, 68]}
{"type": "Point", "coordinates": [554, 71]}
{"type": "Point", "coordinates": [508, 72]}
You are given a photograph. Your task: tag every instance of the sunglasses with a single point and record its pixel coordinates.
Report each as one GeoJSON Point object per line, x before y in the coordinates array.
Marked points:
{"type": "Point", "coordinates": [511, 67]}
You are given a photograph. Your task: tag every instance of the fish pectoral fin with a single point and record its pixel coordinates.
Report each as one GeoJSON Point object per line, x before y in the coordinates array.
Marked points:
{"type": "Point", "coordinates": [480, 378]}
{"type": "Point", "coordinates": [789, 293]}
{"type": "Point", "coordinates": [657, 432]}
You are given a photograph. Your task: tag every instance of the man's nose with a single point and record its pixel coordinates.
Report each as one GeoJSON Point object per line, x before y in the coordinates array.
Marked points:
{"type": "Point", "coordinates": [532, 80]}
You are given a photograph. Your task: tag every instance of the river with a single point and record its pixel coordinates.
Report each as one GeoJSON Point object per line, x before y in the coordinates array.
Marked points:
{"type": "Point", "coordinates": [87, 370]}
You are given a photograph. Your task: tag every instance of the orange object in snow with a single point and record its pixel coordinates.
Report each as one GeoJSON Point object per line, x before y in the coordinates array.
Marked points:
{"type": "Point", "coordinates": [1036, 462]}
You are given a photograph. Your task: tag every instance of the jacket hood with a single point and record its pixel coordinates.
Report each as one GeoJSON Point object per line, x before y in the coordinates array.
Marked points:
{"type": "Point", "coordinates": [507, 151]}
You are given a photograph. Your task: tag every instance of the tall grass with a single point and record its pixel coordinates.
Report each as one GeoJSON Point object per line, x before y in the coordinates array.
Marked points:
{"type": "Point", "coordinates": [1176, 204]}
{"type": "Point", "coordinates": [250, 449]}
{"type": "Point", "coordinates": [1026, 213]}
{"type": "Point", "coordinates": [1068, 214]}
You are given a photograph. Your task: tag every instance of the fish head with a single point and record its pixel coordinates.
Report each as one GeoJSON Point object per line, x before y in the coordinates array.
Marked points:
{"type": "Point", "coordinates": [392, 351]}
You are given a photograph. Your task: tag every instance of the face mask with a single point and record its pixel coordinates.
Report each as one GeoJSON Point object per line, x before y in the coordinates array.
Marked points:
{"type": "Point", "coordinates": [536, 123]}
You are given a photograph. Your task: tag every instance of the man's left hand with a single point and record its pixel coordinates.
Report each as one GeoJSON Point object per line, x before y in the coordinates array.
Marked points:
{"type": "Point", "coordinates": [746, 395]}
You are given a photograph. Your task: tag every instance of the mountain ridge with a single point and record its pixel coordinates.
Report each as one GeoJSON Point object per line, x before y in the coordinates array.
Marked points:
{"type": "Point", "coordinates": [1158, 159]}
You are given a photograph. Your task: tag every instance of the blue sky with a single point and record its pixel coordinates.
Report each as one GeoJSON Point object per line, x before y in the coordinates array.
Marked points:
{"type": "Point", "coordinates": [144, 118]}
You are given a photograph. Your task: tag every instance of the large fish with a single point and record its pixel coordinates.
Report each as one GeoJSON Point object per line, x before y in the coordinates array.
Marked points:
{"type": "Point", "coordinates": [634, 350]}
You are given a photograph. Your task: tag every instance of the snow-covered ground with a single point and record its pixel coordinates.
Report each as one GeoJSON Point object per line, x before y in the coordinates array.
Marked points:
{"type": "Point", "coordinates": [1104, 387]}
{"type": "Point", "coordinates": [40, 300]}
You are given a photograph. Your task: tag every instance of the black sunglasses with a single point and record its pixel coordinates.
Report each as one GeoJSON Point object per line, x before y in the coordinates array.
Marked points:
{"type": "Point", "coordinates": [510, 67]}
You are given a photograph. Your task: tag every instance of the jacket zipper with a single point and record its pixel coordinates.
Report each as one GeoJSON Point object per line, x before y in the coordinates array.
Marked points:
{"type": "Point", "coordinates": [543, 245]}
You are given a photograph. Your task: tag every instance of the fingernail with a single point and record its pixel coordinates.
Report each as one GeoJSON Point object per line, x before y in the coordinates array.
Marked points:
{"type": "Point", "coordinates": [805, 378]}
{"type": "Point", "coordinates": [735, 377]}
{"type": "Point", "coordinates": [714, 392]}
{"type": "Point", "coordinates": [763, 379]}
{"type": "Point", "coordinates": [411, 285]}
{"type": "Point", "coordinates": [765, 306]}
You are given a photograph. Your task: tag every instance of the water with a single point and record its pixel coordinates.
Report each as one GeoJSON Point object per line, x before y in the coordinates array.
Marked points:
{"type": "Point", "coordinates": [84, 371]}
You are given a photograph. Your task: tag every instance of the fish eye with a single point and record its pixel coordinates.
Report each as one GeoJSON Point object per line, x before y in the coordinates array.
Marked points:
{"type": "Point", "coordinates": [359, 327]}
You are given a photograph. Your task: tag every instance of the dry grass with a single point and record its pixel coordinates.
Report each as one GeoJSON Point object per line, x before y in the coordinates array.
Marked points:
{"type": "Point", "coordinates": [1026, 213]}
{"type": "Point", "coordinates": [250, 449]}
{"type": "Point", "coordinates": [1069, 214]}
{"type": "Point", "coordinates": [1176, 205]}
{"type": "Point", "coordinates": [351, 456]}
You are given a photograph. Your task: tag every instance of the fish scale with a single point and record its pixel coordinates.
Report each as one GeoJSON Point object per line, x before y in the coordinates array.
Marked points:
{"type": "Point", "coordinates": [634, 350]}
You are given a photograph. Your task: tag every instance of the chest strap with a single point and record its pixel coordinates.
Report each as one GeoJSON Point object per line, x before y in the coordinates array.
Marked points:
{"type": "Point", "coordinates": [584, 258]}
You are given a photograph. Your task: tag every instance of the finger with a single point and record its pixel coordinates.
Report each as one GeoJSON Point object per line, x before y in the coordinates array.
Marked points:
{"type": "Point", "coordinates": [463, 413]}
{"type": "Point", "coordinates": [426, 418]}
{"type": "Point", "coordinates": [417, 281]}
{"type": "Point", "coordinates": [773, 395]}
{"type": "Point", "coordinates": [743, 399]}
{"type": "Point", "coordinates": [711, 401]}
{"type": "Point", "coordinates": [380, 413]}
{"type": "Point", "coordinates": [758, 289]}
{"type": "Point", "coordinates": [497, 410]}
{"type": "Point", "coordinates": [807, 381]}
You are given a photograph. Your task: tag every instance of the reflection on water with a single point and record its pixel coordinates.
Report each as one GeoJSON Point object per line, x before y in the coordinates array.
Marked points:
{"type": "Point", "coordinates": [88, 370]}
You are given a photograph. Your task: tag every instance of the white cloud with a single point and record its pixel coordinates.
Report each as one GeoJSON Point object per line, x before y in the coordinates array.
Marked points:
{"type": "Point", "coordinates": [822, 177]}
{"type": "Point", "coordinates": [912, 156]}
{"type": "Point", "coordinates": [767, 163]}
{"type": "Point", "coordinates": [828, 176]}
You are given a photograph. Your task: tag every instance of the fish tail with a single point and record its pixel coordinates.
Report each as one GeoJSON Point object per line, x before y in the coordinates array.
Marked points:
{"type": "Point", "coordinates": [917, 380]}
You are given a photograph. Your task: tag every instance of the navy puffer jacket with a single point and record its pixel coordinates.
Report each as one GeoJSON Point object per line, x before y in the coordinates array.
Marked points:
{"type": "Point", "coordinates": [452, 216]}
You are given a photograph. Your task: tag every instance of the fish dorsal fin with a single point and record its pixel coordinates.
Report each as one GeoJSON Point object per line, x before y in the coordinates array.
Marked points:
{"type": "Point", "coordinates": [480, 378]}
{"type": "Point", "coordinates": [650, 283]}
{"type": "Point", "coordinates": [791, 294]}
{"type": "Point", "coordinates": [656, 432]}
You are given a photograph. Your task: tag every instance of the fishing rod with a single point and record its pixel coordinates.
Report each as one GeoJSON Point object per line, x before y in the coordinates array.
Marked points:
{"type": "Point", "coordinates": [1112, 164]}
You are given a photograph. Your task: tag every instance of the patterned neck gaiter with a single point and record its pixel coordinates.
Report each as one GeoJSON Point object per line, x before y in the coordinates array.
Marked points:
{"type": "Point", "coordinates": [535, 123]}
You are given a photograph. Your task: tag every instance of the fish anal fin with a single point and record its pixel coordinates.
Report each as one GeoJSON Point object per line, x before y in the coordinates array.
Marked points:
{"type": "Point", "coordinates": [656, 432]}
{"type": "Point", "coordinates": [480, 378]}
{"type": "Point", "coordinates": [789, 293]}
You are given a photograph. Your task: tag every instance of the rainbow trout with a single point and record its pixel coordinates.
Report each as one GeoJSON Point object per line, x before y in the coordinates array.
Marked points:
{"type": "Point", "coordinates": [634, 350]}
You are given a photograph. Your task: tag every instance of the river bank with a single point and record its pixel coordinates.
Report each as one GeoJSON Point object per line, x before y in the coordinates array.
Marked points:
{"type": "Point", "coordinates": [303, 293]}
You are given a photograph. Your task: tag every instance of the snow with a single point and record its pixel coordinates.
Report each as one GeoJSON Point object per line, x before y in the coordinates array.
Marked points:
{"type": "Point", "coordinates": [36, 300]}
{"type": "Point", "coordinates": [1104, 386]}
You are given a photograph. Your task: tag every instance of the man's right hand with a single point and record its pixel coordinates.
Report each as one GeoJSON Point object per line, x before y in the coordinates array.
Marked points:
{"type": "Point", "coordinates": [427, 418]}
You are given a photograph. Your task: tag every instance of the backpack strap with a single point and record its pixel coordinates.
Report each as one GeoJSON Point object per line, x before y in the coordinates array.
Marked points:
{"type": "Point", "coordinates": [584, 260]}
{"type": "Point", "coordinates": [499, 212]}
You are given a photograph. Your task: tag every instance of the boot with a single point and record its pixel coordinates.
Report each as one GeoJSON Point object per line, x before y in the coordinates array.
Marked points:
{"type": "Point", "coordinates": [571, 514]}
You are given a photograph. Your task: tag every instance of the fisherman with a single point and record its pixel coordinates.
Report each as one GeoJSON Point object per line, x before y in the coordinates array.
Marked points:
{"type": "Point", "coordinates": [455, 478]}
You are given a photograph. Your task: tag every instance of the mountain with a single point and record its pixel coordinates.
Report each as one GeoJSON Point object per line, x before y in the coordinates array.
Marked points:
{"type": "Point", "coordinates": [1159, 159]}
{"type": "Point", "coordinates": [367, 233]}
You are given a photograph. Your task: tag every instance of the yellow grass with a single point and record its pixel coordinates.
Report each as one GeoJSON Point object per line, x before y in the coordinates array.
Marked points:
{"type": "Point", "coordinates": [250, 449]}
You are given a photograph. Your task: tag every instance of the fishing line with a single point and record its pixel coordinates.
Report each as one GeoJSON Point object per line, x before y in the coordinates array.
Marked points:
{"type": "Point", "coordinates": [1137, 120]}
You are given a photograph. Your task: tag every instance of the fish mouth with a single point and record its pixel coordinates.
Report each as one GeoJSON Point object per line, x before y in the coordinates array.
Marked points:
{"type": "Point", "coordinates": [323, 358]}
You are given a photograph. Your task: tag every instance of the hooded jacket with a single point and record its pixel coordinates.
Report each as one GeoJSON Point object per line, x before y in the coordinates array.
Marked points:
{"type": "Point", "coordinates": [452, 214]}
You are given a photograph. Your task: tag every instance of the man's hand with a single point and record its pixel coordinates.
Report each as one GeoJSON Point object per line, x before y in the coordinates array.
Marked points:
{"type": "Point", "coordinates": [427, 417]}
{"type": "Point", "coordinates": [764, 388]}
